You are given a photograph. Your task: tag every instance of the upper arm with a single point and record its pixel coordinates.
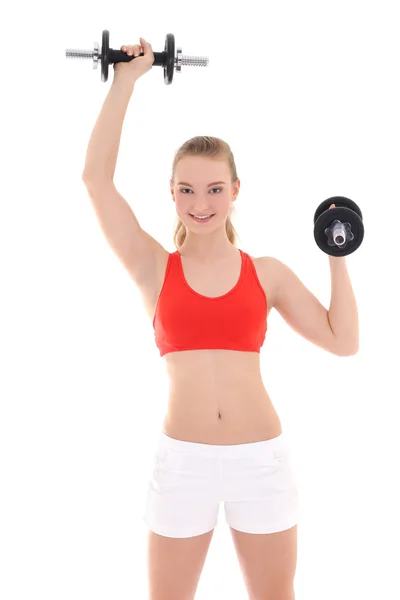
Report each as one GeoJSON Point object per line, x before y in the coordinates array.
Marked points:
{"type": "Point", "coordinates": [137, 250]}
{"type": "Point", "coordinates": [301, 309]}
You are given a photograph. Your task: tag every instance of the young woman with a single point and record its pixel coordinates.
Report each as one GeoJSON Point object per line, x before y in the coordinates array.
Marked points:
{"type": "Point", "coordinates": [209, 302]}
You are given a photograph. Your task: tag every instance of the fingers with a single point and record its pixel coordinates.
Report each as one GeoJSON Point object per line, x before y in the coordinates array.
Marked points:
{"type": "Point", "coordinates": [132, 50]}
{"type": "Point", "coordinates": [136, 49]}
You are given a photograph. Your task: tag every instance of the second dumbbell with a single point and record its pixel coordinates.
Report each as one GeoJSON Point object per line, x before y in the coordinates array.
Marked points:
{"type": "Point", "coordinates": [166, 59]}
{"type": "Point", "coordinates": [338, 231]}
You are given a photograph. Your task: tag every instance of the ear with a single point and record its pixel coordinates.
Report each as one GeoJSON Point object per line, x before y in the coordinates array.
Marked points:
{"type": "Point", "coordinates": [236, 189]}
{"type": "Point", "coordinates": [171, 185]}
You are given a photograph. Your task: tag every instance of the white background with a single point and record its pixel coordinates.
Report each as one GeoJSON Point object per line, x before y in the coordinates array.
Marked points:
{"type": "Point", "coordinates": [307, 95]}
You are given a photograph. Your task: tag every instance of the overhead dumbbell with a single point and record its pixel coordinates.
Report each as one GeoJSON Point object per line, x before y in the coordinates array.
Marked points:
{"type": "Point", "coordinates": [338, 231]}
{"type": "Point", "coordinates": [165, 59]}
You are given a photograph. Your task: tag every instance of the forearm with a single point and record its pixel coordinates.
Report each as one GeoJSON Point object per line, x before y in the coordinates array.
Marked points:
{"type": "Point", "coordinates": [102, 152]}
{"type": "Point", "coordinates": [343, 313]}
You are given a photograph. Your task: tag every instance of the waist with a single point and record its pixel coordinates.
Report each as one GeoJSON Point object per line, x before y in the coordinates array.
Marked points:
{"type": "Point", "coordinates": [225, 416]}
{"type": "Point", "coordinates": [203, 390]}
{"type": "Point", "coordinates": [218, 396]}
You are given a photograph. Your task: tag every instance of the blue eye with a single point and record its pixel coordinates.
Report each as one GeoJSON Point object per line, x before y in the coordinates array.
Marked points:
{"type": "Point", "coordinates": [184, 189]}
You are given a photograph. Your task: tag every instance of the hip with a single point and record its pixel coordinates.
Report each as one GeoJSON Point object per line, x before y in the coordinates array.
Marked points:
{"type": "Point", "coordinates": [230, 472]}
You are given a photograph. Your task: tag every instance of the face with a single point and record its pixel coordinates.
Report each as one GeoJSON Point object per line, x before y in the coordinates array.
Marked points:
{"type": "Point", "coordinates": [193, 194]}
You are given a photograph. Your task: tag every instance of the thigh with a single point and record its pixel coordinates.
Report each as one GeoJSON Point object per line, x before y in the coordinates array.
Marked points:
{"type": "Point", "coordinates": [175, 565]}
{"type": "Point", "coordinates": [268, 563]}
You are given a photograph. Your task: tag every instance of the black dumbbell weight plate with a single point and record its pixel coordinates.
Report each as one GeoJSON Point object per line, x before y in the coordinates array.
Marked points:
{"type": "Point", "coordinates": [170, 58]}
{"type": "Point", "coordinates": [338, 201]}
{"type": "Point", "coordinates": [105, 47]}
{"type": "Point", "coordinates": [345, 215]}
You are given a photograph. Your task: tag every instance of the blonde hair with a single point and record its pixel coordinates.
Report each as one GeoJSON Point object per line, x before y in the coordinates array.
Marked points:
{"type": "Point", "coordinates": [214, 148]}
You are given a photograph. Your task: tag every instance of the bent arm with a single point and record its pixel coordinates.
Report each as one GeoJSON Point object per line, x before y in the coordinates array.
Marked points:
{"type": "Point", "coordinates": [336, 330]}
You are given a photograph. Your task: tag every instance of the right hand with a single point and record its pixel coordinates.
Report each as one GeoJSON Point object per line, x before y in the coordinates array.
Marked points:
{"type": "Point", "coordinates": [138, 66]}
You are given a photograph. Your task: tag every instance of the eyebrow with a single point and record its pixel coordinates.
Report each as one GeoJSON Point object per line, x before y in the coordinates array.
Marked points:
{"type": "Point", "coordinates": [209, 185]}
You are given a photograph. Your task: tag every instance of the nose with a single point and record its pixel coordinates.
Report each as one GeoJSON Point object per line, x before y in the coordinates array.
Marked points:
{"type": "Point", "coordinates": [202, 208]}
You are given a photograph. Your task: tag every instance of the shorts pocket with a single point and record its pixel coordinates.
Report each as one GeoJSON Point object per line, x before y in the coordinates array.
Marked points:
{"type": "Point", "coordinates": [188, 475]}
{"type": "Point", "coordinates": [281, 456]}
{"type": "Point", "coordinates": [160, 456]}
{"type": "Point", "coordinates": [280, 452]}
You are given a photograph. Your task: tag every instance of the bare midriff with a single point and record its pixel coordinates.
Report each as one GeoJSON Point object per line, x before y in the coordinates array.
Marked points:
{"type": "Point", "coordinates": [218, 397]}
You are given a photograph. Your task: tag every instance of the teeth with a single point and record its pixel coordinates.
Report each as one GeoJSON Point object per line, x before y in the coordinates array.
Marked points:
{"type": "Point", "coordinates": [205, 217]}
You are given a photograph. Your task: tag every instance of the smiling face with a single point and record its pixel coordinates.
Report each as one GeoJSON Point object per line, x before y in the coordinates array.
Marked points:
{"type": "Point", "coordinates": [202, 186]}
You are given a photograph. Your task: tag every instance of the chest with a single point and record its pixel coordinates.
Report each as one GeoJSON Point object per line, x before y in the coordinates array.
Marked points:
{"type": "Point", "coordinates": [211, 282]}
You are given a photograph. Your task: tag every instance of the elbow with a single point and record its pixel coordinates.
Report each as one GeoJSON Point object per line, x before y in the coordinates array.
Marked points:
{"type": "Point", "coordinates": [85, 177]}
{"type": "Point", "coordinates": [90, 176]}
{"type": "Point", "coordinates": [95, 180]}
{"type": "Point", "coordinates": [347, 347]}
{"type": "Point", "coordinates": [347, 351]}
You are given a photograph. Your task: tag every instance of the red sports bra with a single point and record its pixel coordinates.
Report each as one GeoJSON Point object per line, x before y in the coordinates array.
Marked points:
{"type": "Point", "coordinates": [186, 320]}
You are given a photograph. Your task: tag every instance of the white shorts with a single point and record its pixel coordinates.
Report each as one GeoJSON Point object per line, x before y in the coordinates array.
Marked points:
{"type": "Point", "coordinates": [190, 480]}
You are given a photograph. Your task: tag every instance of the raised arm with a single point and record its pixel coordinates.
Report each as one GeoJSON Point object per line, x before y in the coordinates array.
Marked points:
{"type": "Point", "coordinates": [138, 251]}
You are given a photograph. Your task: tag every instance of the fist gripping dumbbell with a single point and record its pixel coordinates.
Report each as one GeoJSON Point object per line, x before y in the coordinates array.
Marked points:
{"type": "Point", "coordinates": [165, 59]}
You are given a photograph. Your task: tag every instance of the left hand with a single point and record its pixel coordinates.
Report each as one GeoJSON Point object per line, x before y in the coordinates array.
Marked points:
{"type": "Point", "coordinates": [332, 206]}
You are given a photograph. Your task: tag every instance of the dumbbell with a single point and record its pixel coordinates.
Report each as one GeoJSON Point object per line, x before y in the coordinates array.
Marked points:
{"type": "Point", "coordinates": [165, 59]}
{"type": "Point", "coordinates": [338, 231]}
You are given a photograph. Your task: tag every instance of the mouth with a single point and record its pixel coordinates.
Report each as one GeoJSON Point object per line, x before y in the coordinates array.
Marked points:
{"type": "Point", "coordinates": [202, 220]}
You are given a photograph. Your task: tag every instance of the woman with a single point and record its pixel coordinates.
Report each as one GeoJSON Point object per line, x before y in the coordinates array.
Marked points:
{"type": "Point", "coordinates": [222, 439]}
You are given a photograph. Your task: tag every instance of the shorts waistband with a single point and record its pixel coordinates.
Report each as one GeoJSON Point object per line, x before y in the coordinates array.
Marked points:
{"type": "Point", "coordinates": [245, 450]}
